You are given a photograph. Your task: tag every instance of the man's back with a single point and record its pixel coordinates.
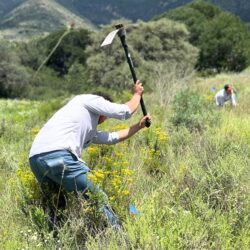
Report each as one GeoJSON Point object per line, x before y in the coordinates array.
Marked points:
{"type": "Point", "coordinates": [73, 127]}
{"type": "Point", "coordinates": [69, 128]}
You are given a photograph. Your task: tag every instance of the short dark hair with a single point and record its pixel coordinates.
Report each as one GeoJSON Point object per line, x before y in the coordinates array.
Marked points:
{"type": "Point", "coordinates": [104, 95]}
{"type": "Point", "coordinates": [226, 86]}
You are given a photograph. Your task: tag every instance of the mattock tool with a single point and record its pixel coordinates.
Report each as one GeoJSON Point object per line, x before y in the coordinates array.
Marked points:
{"type": "Point", "coordinates": [120, 30]}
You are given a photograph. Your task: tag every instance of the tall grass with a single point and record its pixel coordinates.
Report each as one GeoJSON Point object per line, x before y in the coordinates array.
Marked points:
{"type": "Point", "coordinates": [191, 186]}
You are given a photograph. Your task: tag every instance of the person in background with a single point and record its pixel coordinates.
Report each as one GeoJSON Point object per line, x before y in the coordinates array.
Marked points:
{"type": "Point", "coordinates": [55, 153]}
{"type": "Point", "coordinates": [224, 95]}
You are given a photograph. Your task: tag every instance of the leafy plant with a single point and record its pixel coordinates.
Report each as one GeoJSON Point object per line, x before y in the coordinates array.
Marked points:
{"type": "Point", "coordinates": [191, 111]}
{"type": "Point", "coordinates": [13, 76]}
{"type": "Point", "coordinates": [70, 50]}
{"type": "Point", "coordinates": [222, 38]}
{"type": "Point", "coordinates": [150, 44]}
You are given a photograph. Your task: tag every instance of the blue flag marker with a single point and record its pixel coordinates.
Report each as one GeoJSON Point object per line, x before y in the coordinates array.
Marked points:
{"type": "Point", "coordinates": [133, 210]}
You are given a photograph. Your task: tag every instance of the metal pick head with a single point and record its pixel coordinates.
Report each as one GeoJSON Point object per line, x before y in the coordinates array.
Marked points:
{"type": "Point", "coordinates": [110, 37]}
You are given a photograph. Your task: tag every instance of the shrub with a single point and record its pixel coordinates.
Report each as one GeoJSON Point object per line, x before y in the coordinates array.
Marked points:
{"type": "Point", "coordinates": [150, 44]}
{"type": "Point", "coordinates": [222, 38]}
{"type": "Point", "coordinates": [13, 76]}
{"type": "Point", "coordinates": [70, 50]}
{"type": "Point", "coordinates": [224, 47]}
{"type": "Point", "coordinates": [191, 111]}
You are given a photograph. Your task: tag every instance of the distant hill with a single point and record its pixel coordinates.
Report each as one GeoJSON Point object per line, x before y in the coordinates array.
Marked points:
{"type": "Point", "coordinates": [24, 18]}
{"type": "Point", "coordinates": [102, 11]}
{"type": "Point", "coordinates": [36, 18]}
{"type": "Point", "coordinates": [240, 8]}
{"type": "Point", "coordinates": [7, 6]}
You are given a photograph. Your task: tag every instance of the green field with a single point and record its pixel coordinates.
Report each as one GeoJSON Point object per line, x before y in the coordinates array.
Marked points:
{"type": "Point", "coordinates": [188, 175]}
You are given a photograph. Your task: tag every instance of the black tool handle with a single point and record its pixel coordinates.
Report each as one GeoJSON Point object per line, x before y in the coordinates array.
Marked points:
{"type": "Point", "coordinates": [122, 35]}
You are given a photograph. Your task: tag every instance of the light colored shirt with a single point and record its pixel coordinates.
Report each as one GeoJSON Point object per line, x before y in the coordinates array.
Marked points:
{"type": "Point", "coordinates": [73, 127]}
{"type": "Point", "coordinates": [221, 97]}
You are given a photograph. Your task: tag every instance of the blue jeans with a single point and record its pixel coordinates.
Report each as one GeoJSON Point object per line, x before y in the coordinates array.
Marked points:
{"type": "Point", "coordinates": [63, 167]}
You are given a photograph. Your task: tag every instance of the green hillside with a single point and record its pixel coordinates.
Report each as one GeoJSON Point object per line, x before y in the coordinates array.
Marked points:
{"type": "Point", "coordinates": [239, 8]}
{"type": "Point", "coordinates": [190, 186]}
{"type": "Point", "coordinates": [103, 11]}
{"type": "Point", "coordinates": [7, 6]}
{"type": "Point", "coordinates": [37, 18]}
{"type": "Point", "coordinates": [219, 46]}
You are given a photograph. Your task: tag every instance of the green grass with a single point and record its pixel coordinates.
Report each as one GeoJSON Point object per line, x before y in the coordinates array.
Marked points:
{"type": "Point", "coordinates": [191, 188]}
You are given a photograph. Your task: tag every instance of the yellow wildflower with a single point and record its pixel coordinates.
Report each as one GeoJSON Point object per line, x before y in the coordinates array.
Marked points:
{"type": "Point", "coordinates": [127, 171]}
{"type": "Point", "coordinates": [34, 131]}
{"type": "Point", "coordinates": [120, 127]}
{"type": "Point", "coordinates": [125, 192]}
{"type": "Point", "coordinates": [93, 150]}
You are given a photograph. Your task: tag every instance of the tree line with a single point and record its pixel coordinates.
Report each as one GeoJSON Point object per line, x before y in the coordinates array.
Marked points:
{"type": "Point", "coordinates": [196, 36]}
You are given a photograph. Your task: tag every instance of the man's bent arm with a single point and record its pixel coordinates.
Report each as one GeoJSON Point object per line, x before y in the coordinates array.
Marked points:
{"type": "Point", "coordinates": [128, 132]}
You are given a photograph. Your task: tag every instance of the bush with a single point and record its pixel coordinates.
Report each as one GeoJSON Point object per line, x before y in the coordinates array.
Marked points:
{"type": "Point", "coordinates": [191, 111]}
{"type": "Point", "coordinates": [13, 76]}
{"type": "Point", "coordinates": [222, 38]}
{"type": "Point", "coordinates": [70, 50]}
{"type": "Point", "coordinates": [47, 85]}
{"type": "Point", "coordinates": [224, 47]}
{"type": "Point", "coordinates": [150, 43]}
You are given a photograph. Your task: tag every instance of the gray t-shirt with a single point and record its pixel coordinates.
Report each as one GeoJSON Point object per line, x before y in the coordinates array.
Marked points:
{"type": "Point", "coordinates": [73, 127]}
